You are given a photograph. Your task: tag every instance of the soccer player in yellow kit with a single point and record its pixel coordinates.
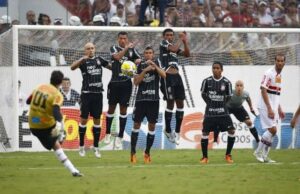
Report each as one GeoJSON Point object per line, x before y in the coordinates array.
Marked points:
{"type": "Point", "coordinates": [45, 118]}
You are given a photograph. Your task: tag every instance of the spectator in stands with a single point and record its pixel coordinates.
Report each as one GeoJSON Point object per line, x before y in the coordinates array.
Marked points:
{"type": "Point", "coordinates": [170, 15]}
{"type": "Point", "coordinates": [102, 7]}
{"type": "Point", "coordinates": [248, 15]}
{"type": "Point", "coordinates": [121, 13]}
{"type": "Point", "coordinates": [84, 11]}
{"type": "Point", "coordinates": [227, 22]}
{"type": "Point", "coordinates": [115, 21]}
{"type": "Point", "coordinates": [114, 5]}
{"type": "Point", "coordinates": [130, 5]}
{"type": "Point", "coordinates": [131, 19]}
{"type": "Point", "coordinates": [212, 4]}
{"type": "Point", "coordinates": [71, 96]}
{"type": "Point", "coordinates": [5, 23]}
{"type": "Point", "coordinates": [225, 6]}
{"type": "Point", "coordinates": [237, 19]}
{"type": "Point", "coordinates": [291, 18]}
{"type": "Point", "coordinates": [198, 11]}
{"type": "Point", "coordinates": [276, 11]}
{"type": "Point", "coordinates": [265, 20]}
{"type": "Point", "coordinates": [218, 23]}
{"type": "Point", "coordinates": [196, 22]}
{"type": "Point", "coordinates": [74, 21]}
{"type": "Point", "coordinates": [161, 6]}
{"type": "Point", "coordinates": [255, 22]}
{"type": "Point", "coordinates": [299, 10]}
{"type": "Point", "coordinates": [184, 15]}
{"type": "Point", "coordinates": [243, 6]}
{"type": "Point", "coordinates": [44, 19]}
{"type": "Point", "coordinates": [57, 22]}
{"type": "Point", "coordinates": [98, 20]}
{"type": "Point", "coordinates": [215, 15]}
{"type": "Point", "coordinates": [137, 11]}
{"type": "Point", "coordinates": [30, 17]}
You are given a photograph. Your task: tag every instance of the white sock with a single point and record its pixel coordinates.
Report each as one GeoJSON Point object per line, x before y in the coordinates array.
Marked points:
{"type": "Point", "coordinates": [266, 151]}
{"type": "Point", "coordinates": [268, 137]}
{"type": "Point", "coordinates": [61, 156]}
{"type": "Point", "coordinates": [259, 147]}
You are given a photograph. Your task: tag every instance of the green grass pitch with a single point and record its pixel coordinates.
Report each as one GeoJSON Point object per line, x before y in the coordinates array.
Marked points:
{"type": "Point", "coordinates": [172, 171]}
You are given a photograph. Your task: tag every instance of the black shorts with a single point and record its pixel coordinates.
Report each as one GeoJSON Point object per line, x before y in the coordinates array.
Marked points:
{"type": "Point", "coordinates": [172, 87]}
{"type": "Point", "coordinates": [45, 137]}
{"type": "Point", "coordinates": [119, 92]}
{"type": "Point", "coordinates": [91, 103]}
{"type": "Point", "coordinates": [239, 113]}
{"type": "Point", "coordinates": [148, 109]}
{"type": "Point", "coordinates": [223, 123]}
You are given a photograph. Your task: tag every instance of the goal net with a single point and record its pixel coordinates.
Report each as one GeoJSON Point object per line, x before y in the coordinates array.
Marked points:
{"type": "Point", "coordinates": [28, 54]}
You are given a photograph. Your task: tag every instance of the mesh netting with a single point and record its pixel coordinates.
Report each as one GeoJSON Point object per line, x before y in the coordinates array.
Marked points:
{"type": "Point", "coordinates": [230, 48]}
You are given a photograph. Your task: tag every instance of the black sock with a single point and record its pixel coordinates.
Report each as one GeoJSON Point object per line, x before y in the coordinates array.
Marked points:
{"type": "Point", "coordinates": [96, 133]}
{"type": "Point", "coordinates": [204, 144]}
{"type": "Point", "coordinates": [150, 140]}
{"type": "Point", "coordinates": [108, 123]}
{"type": "Point", "coordinates": [82, 131]}
{"type": "Point", "coordinates": [134, 138]}
{"type": "Point", "coordinates": [168, 119]}
{"type": "Point", "coordinates": [122, 119]}
{"type": "Point", "coordinates": [253, 131]}
{"type": "Point", "coordinates": [216, 135]}
{"type": "Point", "coordinates": [179, 118]}
{"type": "Point", "coordinates": [230, 143]}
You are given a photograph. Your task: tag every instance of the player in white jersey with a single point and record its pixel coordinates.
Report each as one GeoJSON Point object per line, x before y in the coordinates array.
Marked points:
{"type": "Point", "coordinates": [269, 107]}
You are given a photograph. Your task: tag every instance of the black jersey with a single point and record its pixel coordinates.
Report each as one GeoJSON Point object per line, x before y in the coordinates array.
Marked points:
{"type": "Point", "coordinates": [148, 89]}
{"type": "Point", "coordinates": [91, 70]}
{"type": "Point", "coordinates": [216, 93]}
{"type": "Point", "coordinates": [167, 57]}
{"type": "Point", "coordinates": [130, 55]}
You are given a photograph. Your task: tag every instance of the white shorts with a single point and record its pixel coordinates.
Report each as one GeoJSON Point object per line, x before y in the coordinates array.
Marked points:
{"type": "Point", "coordinates": [265, 121]}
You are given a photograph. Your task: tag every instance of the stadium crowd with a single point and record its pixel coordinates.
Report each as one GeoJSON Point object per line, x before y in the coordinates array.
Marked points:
{"type": "Point", "coordinates": [175, 13]}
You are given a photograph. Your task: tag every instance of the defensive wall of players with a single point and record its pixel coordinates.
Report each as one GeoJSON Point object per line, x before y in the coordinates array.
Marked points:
{"type": "Point", "coordinates": [192, 124]}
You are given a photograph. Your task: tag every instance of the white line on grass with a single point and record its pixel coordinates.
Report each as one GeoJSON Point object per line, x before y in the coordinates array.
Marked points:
{"type": "Point", "coordinates": [167, 165]}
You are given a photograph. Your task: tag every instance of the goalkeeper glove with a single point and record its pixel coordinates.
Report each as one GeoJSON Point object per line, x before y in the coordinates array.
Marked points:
{"type": "Point", "coordinates": [61, 136]}
{"type": "Point", "coordinates": [59, 132]}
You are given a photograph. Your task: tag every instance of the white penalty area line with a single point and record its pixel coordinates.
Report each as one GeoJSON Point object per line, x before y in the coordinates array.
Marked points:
{"type": "Point", "coordinates": [165, 166]}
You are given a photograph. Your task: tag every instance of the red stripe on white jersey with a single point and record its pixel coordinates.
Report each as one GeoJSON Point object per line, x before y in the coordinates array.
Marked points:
{"type": "Point", "coordinates": [274, 88]}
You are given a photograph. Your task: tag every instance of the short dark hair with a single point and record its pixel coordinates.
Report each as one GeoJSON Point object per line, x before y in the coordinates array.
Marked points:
{"type": "Point", "coordinates": [279, 54]}
{"type": "Point", "coordinates": [149, 48]}
{"type": "Point", "coordinates": [218, 63]}
{"type": "Point", "coordinates": [167, 30]}
{"type": "Point", "coordinates": [122, 33]}
{"type": "Point", "coordinates": [56, 77]}
{"type": "Point", "coordinates": [120, 5]}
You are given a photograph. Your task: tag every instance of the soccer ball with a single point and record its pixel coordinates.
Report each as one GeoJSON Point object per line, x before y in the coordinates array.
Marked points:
{"type": "Point", "coordinates": [128, 68]}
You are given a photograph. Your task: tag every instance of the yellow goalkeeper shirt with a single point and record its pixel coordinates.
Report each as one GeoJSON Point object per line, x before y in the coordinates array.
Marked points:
{"type": "Point", "coordinates": [44, 97]}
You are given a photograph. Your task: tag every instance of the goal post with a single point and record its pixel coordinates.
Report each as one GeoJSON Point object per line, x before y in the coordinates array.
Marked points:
{"type": "Point", "coordinates": [35, 51]}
